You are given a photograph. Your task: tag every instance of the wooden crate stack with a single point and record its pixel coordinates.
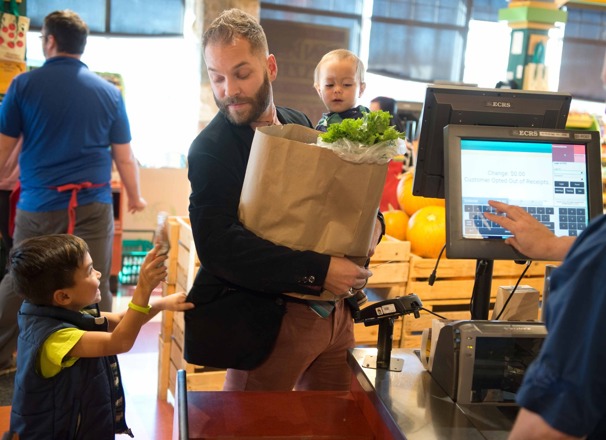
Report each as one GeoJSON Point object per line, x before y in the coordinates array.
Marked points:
{"type": "Point", "coordinates": [451, 293]}
{"type": "Point", "coordinates": [183, 264]}
{"type": "Point", "coordinates": [390, 268]}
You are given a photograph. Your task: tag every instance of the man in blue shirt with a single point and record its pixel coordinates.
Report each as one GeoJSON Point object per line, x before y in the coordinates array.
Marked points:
{"type": "Point", "coordinates": [73, 125]}
{"type": "Point", "coordinates": [564, 389]}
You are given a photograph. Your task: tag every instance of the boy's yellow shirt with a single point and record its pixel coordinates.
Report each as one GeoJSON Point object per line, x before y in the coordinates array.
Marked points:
{"type": "Point", "coordinates": [53, 354]}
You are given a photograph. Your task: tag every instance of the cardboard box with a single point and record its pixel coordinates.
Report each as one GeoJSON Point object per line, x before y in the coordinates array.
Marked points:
{"type": "Point", "coordinates": [523, 305]}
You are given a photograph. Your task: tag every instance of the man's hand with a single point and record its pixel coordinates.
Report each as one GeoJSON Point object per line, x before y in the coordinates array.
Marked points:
{"type": "Point", "coordinates": [530, 237]}
{"type": "Point", "coordinates": [343, 275]}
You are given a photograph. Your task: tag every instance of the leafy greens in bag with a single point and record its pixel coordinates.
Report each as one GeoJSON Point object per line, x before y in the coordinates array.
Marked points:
{"type": "Point", "coordinates": [369, 139]}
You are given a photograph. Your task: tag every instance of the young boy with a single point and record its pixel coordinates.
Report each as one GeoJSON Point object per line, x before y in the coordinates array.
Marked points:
{"type": "Point", "coordinates": [67, 383]}
{"type": "Point", "coordinates": [339, 80]}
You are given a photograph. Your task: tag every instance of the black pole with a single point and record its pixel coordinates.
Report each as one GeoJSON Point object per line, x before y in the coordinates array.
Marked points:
{"type": "Point", "coordinates": [482, 286]}
{"type": "Point", "coordinates": [384, 342]}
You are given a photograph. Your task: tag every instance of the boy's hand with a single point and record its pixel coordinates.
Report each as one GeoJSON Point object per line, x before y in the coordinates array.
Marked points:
{"type": "Point", "coordinates": [152, 270]}
{"type": "Point", "coordinates": [175, 302]}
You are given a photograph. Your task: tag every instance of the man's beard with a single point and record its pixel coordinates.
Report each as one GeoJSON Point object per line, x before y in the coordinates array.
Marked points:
{"type": "Point", "coordinates": [259, 104]}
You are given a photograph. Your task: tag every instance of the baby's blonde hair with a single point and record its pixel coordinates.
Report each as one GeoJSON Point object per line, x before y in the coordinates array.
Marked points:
{"type": "Point", "coordinates": [339, 55]}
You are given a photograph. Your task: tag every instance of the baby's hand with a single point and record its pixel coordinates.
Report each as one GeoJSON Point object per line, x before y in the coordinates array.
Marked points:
{"type": "Point", "coordinates": [175, 302]}
{"type": "Point", "coordinates": [153, 270]}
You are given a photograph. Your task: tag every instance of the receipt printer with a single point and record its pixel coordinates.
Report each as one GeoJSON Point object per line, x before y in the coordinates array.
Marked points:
{"type": "Point", "coordinates": [483, 362]}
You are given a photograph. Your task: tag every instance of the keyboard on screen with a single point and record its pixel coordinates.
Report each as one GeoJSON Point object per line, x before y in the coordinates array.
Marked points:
{"type": "Point", "coordinates": [572, 220]}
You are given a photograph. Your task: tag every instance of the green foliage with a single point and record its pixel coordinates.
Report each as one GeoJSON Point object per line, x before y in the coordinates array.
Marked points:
{"type": "Point", "coordinates": [371, 129]}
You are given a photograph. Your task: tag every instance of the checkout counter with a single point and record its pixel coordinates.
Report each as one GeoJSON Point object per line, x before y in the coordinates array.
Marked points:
{"type": "Point", "coordinates": [382, 403]}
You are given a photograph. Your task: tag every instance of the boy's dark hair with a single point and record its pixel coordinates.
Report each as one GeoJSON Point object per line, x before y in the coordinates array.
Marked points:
{"type": "Point", "coordinates": [41, 265]}
{"type": "Point", "coordinates": [68, 29]}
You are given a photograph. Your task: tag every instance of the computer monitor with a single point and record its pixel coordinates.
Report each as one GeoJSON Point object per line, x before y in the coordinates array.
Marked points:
{"type": "Point", "coordinates": [554, 174]}
{"type": "Point", "coordinates": [451, 104]}
{"type": "Point", "coordinates": [409, 113]}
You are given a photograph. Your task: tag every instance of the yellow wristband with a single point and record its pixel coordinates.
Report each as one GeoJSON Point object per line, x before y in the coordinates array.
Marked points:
{"type": "Point", "coordinates": [145, 310]}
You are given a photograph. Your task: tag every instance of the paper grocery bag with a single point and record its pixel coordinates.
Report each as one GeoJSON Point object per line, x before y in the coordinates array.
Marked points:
{"type": "Point", "coordinates": [13, 32]}
{"type": "Point", "coordinates": [306, 197]}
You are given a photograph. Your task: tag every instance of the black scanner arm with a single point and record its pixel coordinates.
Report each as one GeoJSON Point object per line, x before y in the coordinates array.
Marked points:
{"type": "Point", "coordinates": [383, 314]}
{"type": "Point", "coordinates": [389, 308]}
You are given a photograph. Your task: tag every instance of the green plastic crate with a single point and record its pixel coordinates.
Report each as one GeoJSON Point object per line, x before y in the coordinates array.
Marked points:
{"type": "Point", "coordinates": [133, 254]}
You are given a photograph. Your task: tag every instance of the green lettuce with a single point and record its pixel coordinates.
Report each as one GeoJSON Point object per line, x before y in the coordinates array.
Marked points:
{"type": "Point", "coordinates": [371, 129]}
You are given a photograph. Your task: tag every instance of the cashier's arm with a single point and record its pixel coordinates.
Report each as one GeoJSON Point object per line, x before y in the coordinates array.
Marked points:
{"type": "Point", "coordinates": [531, 426]}
{"type": "Point", "coordinates": [7, 144]}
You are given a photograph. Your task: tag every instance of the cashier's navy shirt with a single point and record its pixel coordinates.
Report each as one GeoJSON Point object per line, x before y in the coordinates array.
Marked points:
{"type": "Point", "coordinates": [566, 384]}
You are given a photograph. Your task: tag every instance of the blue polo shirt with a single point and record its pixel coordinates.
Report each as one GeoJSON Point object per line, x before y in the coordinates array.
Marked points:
{"type": "Point", "coordinates": [566, 384]}
{"type": "Point", "coordinates": [69, 117]}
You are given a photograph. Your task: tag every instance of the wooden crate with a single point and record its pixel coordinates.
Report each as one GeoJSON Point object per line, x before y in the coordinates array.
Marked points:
{"type": "Point", "coordinates": [451, 293]}
{"type": "Point", "coordinates": [187, 258]}
{"type": "Point", "coordinates": [390, 265]}
{"type": "Point", "coordinates": [183, 265]}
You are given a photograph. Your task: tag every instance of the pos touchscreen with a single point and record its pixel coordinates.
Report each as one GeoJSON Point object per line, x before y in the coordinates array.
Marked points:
{"type": "Point", "coordinates": [554, 174]}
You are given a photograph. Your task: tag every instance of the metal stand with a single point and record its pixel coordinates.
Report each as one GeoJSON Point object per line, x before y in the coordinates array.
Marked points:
{"type": "Point", "coordinates": [481, 289]}
{"type": "Point", "coordinates": [383, 359]}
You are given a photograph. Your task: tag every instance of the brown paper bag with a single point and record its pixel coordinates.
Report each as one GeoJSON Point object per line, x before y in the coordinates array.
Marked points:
{"type": "Point", "coordinates": [306, 197]}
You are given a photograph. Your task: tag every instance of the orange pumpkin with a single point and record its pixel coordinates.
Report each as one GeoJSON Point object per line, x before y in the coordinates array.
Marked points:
{"type": "Point", "coordinates": [410, 203]}
{"type": "Point", "coordinates": [427, 231]}
{"type": "Point", "coordinates": [396, 223]}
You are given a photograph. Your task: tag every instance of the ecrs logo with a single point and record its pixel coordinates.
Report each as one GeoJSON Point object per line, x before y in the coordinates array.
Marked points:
{"type": "Point", "coordinates": [498, 104]}
{"type": "Point", "coordinates": [528, 133]}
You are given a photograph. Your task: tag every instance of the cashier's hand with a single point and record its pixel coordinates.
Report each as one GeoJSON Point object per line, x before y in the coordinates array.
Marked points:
{"type": "Point", "coordinates": [343, 275]}
{"type": "Point", "coordinates": [530, 237]}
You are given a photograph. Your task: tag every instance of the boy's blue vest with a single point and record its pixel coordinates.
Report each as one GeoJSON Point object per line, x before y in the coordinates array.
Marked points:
{"type": "Point", "coordinates": [84, 401]}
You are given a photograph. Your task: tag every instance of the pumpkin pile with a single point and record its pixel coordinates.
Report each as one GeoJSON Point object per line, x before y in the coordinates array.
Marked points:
{"type": "Point", "coordinates": [420, 220]}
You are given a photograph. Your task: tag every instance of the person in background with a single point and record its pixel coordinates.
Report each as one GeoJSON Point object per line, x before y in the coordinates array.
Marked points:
{"type": "Point", "coordinates": [339, 81]}
{"type": "Point", "coordinates": [73, 124]}
{"type": "Point", "coordinates": [388, 105]}
{"type": "Point", "coordinates": [309, 352]}
{"type": "Point", "coordinates": [562, 394]}
{"type": "Point", "coordinates": [68, 382]}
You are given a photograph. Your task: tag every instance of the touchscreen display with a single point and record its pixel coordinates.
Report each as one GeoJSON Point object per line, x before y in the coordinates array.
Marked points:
{"type": "Point", "coordinates": [549, 180]}
{"type": "Point", "coordinates": [499, 366]}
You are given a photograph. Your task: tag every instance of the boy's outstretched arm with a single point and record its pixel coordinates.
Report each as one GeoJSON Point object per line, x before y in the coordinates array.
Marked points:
{"type": "Point", "coordinates": [125, 326]}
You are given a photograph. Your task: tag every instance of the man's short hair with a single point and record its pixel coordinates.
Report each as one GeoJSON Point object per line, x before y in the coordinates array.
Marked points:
{"type": "Point", "coordinates": [41, 265]}
{"type": "Point", "coordinates": [68, 29]}
{"type": "Point", "coordinates": [232, 24]}
{"type": "Point", "coordinates": [341, 54]}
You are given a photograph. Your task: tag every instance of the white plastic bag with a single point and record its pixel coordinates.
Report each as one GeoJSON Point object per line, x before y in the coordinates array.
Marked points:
{"type": "Point", "coordinates": [355, 152]}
